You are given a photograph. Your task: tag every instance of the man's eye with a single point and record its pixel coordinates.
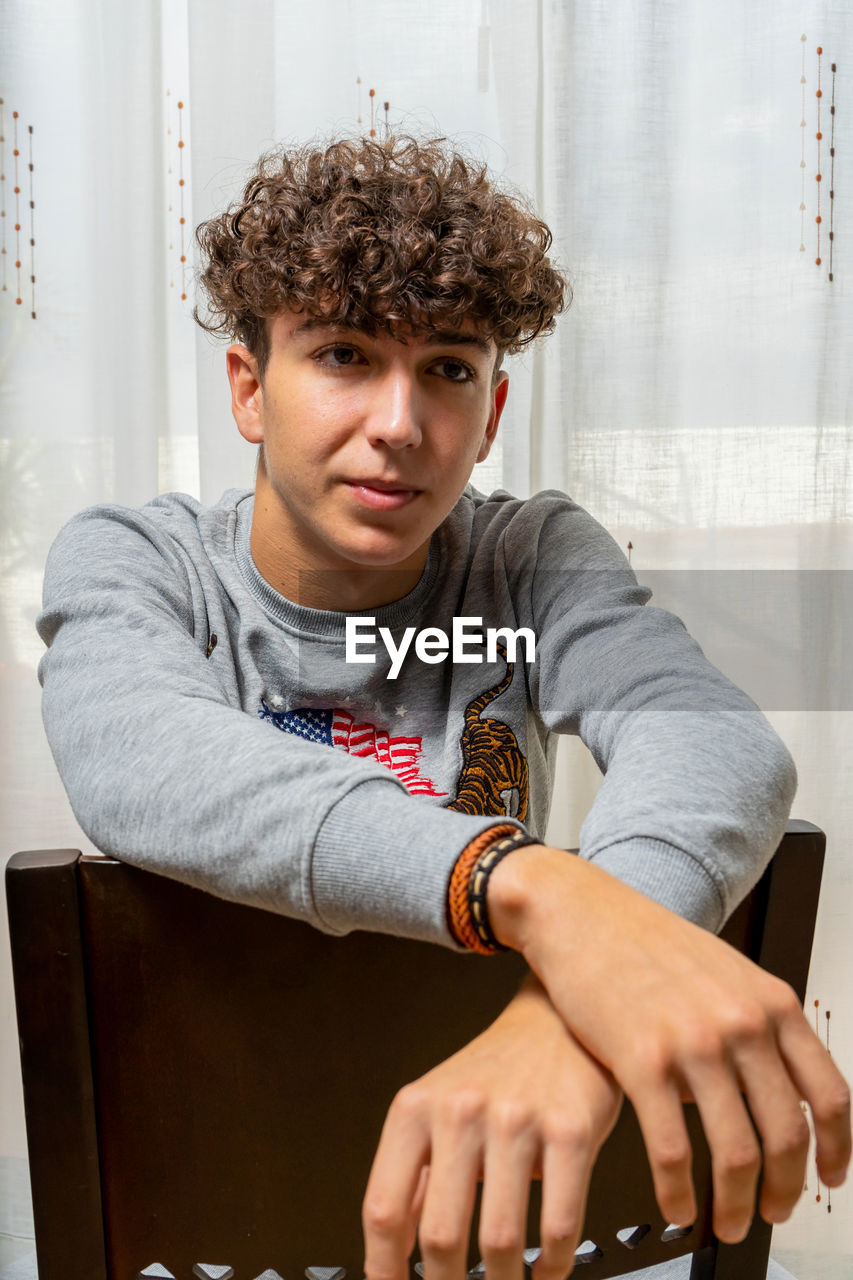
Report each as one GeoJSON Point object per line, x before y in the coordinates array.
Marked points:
{"type": "Point", "coordinates": [454, 370]}
{"type": "Point", "coordinates": [338, 357]}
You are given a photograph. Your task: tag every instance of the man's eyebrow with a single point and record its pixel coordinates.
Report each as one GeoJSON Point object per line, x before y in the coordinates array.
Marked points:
{"type": "Point", "coordinates": [434, 337]}
{"type": "Point", "coordinates": [453, 338]}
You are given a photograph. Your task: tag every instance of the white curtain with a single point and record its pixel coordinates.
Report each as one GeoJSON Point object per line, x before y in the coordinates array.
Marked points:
{"type": "Point", "coordinates": [696, 397]}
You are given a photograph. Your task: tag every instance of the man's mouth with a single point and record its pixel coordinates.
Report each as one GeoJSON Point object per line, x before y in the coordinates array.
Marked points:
{"type": "Point", "coordinates": [382, 495]}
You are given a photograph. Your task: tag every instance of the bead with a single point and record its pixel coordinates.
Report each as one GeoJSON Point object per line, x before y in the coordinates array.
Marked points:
{"type": "Point", "coordinates": [832, 195]}
{"type": "Point", "coordinates": [818, 218]}
{"type": "Point", "coordinates": [819, 93]}
{"type": "Point", "coordinates": [32, 244]}
{"type": "Point", "coordinates": [802, 79]}
{"type": "Point", "coordinates": [832, 235]}
{"type": "Point", "coordinates": [373, 93]}
{"type": "Point", "coordinates": [817, 262]}
{"type": "Point", "coordinates": [183, 297]}
{"type": "Point", "coordinates": [802, 124]}
{"type": "Point", "coordinates": [180, 106]}
{"type": "Point", "coordinates": [17, 191]}
{"type": "Point", "coordinates": [818, 136]}
{"type": "Point", "coordinates": [832, 111]}
{"type": "Point", "coordinates": [373, 133]}
{"type": "Point", "coordinates": [802, 164]}
{"type": "Point", "coordinates": [181, 183]}
{"type": "Point", "coordinates": [18, 300]}
{"type": "Point", "coordinates": [830, 275]}
{"type": "Point", "coordinates": [802, 37]}
{"type": "Point", "coordinates": [16, 152]}
{"type": "Point", "coordinates": [181, 143]}
{"type": "Point", "coordinates": [834, 68]}
{"type": "Point", "coordinates": [17, 264]}
{"type": "Point", "coordinates": [818, 177]}
{"type": "Point", "coordinates": [183, 257]}
{"type": "Point", "coordinates": [183, 220]}
{"type": "Point", "coordinates": [802, 248]}
{"type": "Point", "coordinates": [832, 151]}
{"type": "Point", "coordinates": [819, 50]}
{"type": "Point", "coordinates": [14, 115]}
{"type": "Point", "coordinates": [802, 206]}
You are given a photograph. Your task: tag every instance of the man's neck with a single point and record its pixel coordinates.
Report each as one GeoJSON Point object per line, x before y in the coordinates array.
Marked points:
{"type": "Point", "coordinates": [340, 588]}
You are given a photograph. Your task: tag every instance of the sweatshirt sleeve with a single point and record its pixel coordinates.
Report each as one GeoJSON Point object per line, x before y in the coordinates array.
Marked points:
{"type": "Point", "coordinates": [163, 770]}
{"type": "Point", "coordinates": [697, 786]}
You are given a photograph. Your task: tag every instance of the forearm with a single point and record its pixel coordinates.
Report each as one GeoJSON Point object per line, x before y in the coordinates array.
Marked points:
{"type": "Point", "coordinates": [166, 768]}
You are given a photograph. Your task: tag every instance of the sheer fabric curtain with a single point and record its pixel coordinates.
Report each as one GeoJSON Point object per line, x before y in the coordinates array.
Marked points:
{"type": "Point", "coordinates": [696, 397]}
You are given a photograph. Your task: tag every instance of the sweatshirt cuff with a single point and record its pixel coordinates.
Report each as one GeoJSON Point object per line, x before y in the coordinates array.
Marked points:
{"type": "Point", "coordinates": [669, 876]}
{"type": "Point", "coordinates": [395, 880]}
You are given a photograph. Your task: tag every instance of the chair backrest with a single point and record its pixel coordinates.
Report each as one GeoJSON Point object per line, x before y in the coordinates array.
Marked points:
{"type": "Point", "coordinates": [205, 1083]}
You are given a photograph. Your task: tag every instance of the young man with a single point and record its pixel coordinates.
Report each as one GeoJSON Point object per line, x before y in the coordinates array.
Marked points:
{"type": "Point", "coordinates": [360, 761]}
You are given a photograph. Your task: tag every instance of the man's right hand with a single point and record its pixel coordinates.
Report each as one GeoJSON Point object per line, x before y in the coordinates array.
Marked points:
{"type": "Point", "coordinates": [675, 1014]}
{"type": "Point", "coordinates": [523, 1100]}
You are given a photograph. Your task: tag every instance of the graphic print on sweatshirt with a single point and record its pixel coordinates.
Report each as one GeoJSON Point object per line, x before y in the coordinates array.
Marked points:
{"type": "Point", "coordinates": [338, 728]}
{"type": "Point", "coordinates": [494, 778]}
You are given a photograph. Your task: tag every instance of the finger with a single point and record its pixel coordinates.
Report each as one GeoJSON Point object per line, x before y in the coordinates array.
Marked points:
{"type": "Point", "coordinates": [395, 1190]}
{"type": "Point", "coordinates": [658, 1106]}
{"type": "Point", "coordinates": [784, 1132]}
{"type": "Point", "coordinates": [735, 1152]}
{"type": "Point", "coordinates": [455, 1166]}
{"type": "Point", "coordinates": [566, 1168]}
{"type": "Point", "coordinates": [511, 1152]}
{"type": "Point", "coordinates": [826, 1091]}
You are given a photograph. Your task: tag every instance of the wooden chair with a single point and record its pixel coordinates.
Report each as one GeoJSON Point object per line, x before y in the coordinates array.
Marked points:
{"type": "Point", "coordinates": [205, 1083]}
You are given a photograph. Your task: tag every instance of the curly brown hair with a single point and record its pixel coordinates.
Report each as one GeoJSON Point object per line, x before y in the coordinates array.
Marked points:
{"type": "Point", "coordinates": [397, 235]}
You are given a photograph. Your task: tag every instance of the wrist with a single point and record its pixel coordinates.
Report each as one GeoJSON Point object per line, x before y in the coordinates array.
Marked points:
{"type": "Point", "coordinates": [522, 888]}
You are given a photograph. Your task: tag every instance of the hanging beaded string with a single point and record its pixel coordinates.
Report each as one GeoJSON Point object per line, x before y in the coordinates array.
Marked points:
{"type": "Point", "coordinates": [803, 153]}
{"type": "Point", "coordinates": [827, 1015]}
{"type": "Point", "coordinates": [832, 175]}
{"type": "Point", "coordinates": [32, 229]}
{"type": "Point", "coordinates": [387, 106]}
{"type": "Point", "coordinates": [819, 135]}
{"type": "Point", "coordinates": [16, 153]}
{"type": "Point", "coordinates": [183, 220]}
{"type": "Point", "coordinates": [358, 84]}
{"type": "Point", "coordinates": [373, 113]}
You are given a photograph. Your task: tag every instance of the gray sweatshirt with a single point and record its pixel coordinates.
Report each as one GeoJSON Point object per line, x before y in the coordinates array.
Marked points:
{"type": "Point", "coordinates": [209, 729]}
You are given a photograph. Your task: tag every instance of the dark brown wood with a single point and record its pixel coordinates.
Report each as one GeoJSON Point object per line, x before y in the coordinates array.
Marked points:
{"type": "Point", "coordinates": [50, 994]}
{"type": "Point", "coordinates": [243, 1064]}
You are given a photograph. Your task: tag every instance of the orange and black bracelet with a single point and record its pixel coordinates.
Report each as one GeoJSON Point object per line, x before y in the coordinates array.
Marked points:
{"type": "Point", "coordinates": [467, 909]}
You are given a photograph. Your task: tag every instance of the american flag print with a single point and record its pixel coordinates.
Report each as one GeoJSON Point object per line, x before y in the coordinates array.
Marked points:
{"type": "Point", "coordinates": [337, 728]}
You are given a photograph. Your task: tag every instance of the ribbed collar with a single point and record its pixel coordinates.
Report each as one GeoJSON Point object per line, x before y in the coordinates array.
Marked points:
{"type": "Point", "coordinates": [328, 623]}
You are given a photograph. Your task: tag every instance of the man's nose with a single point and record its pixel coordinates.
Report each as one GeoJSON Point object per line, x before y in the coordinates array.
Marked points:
{"type": "Point", "coordinates": [395, 416]}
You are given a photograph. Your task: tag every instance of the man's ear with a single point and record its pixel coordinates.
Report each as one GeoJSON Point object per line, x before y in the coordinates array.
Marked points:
{"type": "Point", "coordinates": [246, 393]}
{"type": "Point", "coordinates": [499, 395]}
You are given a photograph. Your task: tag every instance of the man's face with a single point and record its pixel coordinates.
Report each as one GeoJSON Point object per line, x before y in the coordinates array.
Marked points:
{"type": "Point", "coordinates": [367, 442]}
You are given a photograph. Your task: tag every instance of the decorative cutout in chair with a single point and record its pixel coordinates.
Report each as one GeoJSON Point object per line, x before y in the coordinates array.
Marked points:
{"type": "Point", "coordinates": [204, 1079]}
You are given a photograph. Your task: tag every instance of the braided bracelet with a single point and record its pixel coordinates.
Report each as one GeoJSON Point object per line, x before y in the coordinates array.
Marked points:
{"type": "Point", "coordinates": [468, 916]}
{"type": "Point", "coordinates": [478, 884]}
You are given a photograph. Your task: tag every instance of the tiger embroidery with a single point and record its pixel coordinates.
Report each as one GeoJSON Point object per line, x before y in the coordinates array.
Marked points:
{"type": "Point", "coordinates": [494, 778]}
